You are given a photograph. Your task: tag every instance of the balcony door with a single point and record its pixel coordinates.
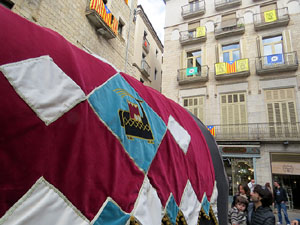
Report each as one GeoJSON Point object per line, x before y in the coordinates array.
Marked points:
{"type": "Point", "coordinates": [281, 109]}
{"type": "Point", "coordinates": [234, 115]}
{"type": "Point", "coordinates": [194, 61]}
{"type": "Point", "coordinates": [195, 105]}
{"type": "Point", "coordinates": [273, 50]}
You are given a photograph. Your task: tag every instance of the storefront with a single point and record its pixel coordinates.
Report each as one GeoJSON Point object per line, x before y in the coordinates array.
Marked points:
{"type": "Point", "coordinates": [286, 169]}
{"type": "Point", "coordinates": [240, 163]}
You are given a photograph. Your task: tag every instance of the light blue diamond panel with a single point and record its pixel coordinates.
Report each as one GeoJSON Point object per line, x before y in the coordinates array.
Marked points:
{"type": "Point", "coordinates": [205, 205]}
{"type": "Point", "coordinates": [112, 215]}
{"type": "Point", "coordinates": [130, 118]}
{"type": "Point", "coordinates": [172, 210]}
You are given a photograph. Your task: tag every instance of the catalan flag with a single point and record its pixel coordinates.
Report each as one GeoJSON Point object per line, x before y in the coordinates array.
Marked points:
{"type": "Point", "coordinates": [231, 67]}
{"type": "Point", "coordinates": [211, 130]}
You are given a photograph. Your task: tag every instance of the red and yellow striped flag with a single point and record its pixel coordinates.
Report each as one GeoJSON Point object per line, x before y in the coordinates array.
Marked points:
{"type": "Point", "coordinates": [231, 67]}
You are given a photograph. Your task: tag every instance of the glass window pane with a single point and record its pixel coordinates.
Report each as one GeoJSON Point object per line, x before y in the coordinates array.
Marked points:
{"type": "Point", "coordinates": [228, 47]}
{"type": "Point", "coordinates": [236, 55]}
{"type": "Point", "coordinates": [268, 50]}
{"type": "Point", "coordinates": [190, 102]}
{"type": "Point", "coordinates": [229, 98]}
{"type": "Point", "coordinates": [223, 99]}
{"type": "Point", "coordinates": [226, 57]}
{"type": "Point", "coordinates": [196, 112]}
{"type": "Point", "coordinates": [278, 48]}
{"type": "Point", "coordinates": [196, 53]}
{"type": "Point", "coordinates": [242, 97]}
{"type": "Point", "coordinates": [272, 39]}
{"type": "Point", "coordinates": [235, 98]}
{"type": "Point", "coordinates": [198, 61]}
{"type": "Point", "coordinates": [195, 101]}
{"type": "Point", "coordinates": [190, 63]}
{"type": "Point", "coordinates": [185, 102]}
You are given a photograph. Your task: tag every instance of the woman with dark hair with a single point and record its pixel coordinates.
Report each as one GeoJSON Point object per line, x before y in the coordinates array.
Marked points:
{"type": "Point", "coordinates": [262, 213]}
{"type": "Point", "coordinates": [243, 190]}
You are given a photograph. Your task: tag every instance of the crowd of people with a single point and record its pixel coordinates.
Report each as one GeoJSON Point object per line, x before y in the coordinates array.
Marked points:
{"type": "Point", "coordinates": [253, 203]}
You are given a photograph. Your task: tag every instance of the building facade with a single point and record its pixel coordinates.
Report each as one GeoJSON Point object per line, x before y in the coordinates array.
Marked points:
{"type": "Point", "coordinates": [101, 27]}
{"type": "Point", "coordinates": [148, 51]}
{"type": "Point", "coordinates": [234, 64]}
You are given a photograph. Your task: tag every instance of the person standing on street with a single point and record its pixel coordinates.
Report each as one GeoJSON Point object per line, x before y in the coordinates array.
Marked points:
{"type": "Point", "coordinates": [262, 213]}
{"type": "Point", "coordinates": [280, 197]}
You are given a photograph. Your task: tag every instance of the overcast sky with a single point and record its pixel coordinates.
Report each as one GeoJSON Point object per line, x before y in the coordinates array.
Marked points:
{"type": "Point", "coordinates": [155, 10]}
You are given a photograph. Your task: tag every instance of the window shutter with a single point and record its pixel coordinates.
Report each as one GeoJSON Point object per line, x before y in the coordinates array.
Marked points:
{"type": "Point", "coordinates": [228, 20]}
{"type": "Point", "coordinates": [269, 7]}
{"type": "Point", "coordinates": [242, 48]}
{"type": "Point", "coordinates": [287, 46]}
{"type": "Point", "coordinates": [271, 118]}
{"type": "Point", "coordinates": [193, 26]}
{"type": "Point", "coordinates": [292, 112]}
{"type": "Point", "coordinates": [217, 53]}
{"type": "Point", "coordinates": [183, 62]}
{"type": "Point", "coordinates": [260, 47]}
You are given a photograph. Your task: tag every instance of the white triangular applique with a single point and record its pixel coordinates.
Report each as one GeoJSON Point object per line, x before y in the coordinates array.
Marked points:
{"type": "Point", "coordinates": [180, 135]}
{"type": "Point", "coordinates": [214, 200]}
{"type": "Point", "coordinates": [190, 205]}
{"type": "Point", "coordinates": [43, 204]}
{"type": "Point", "coordinates": [43, 86]}
{"type": "Point", "coordinates": [148, 209]}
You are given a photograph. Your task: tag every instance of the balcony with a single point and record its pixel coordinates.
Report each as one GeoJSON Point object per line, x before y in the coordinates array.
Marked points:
{"type": "Point", "coordinates": [229, 28]}
{"type": "Point", "coordinates": [146, 45]}
{"type": "Point", "coordinates": [105, 23]}
{"type": "Point", "coordinates": [226, 4]}
{"type": "Point", "coordinates": [271, 19]}
{"type": "Point", "coordinates": [193, 9]}
{"type": "Point", "coordinates": [193, 37]}
{"type": "Point", "coordinates": [145, 68]}
{"type": "Point", "coordinates": [276, 63]}
{"type": "Point", "coordinates": [258, 132]}
{"type": "Point", "coordinates": [238, 68]}
{"type": "Point", "coordinates": [186, 76]}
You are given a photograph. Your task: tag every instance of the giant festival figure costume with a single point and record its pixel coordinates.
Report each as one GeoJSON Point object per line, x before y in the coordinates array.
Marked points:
{"type": "Point", "coordinates": [82, 143]}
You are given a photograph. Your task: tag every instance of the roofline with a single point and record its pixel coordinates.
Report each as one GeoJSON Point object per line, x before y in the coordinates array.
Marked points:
{"type": "Point", "coordinates": [148, 21]}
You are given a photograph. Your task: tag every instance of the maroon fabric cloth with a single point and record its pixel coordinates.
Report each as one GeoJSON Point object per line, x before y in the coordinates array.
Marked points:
{"type": "Point", "coordinates": [171, 168]}
{"type": "Point", "coordinates": [77, 153]}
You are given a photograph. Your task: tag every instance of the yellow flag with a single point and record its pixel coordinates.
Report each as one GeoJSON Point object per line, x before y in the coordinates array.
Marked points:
{"type": "Point", "coordinates": [270, 16]}
{"type": "Point", "coordinates": [242, 65]}
{"type": "Point", "coordinates": [200, 31]}
{"type": "Point", "coordinates": [220, 68]}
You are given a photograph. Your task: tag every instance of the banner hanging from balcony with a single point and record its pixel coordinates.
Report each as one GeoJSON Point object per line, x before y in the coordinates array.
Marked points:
{"type": "Point", "coordinates": [220, 68]}
{"type": "Point", "coordinates": [231, 67]}
{"type": "Point", "coordinates": [212, 130]}
{"type": "Point", "coordinates": [242, 65]}
{"type": "Point", "coordinates": [275, 59]}
{"type": "Point", "coordinates": [200, 32]}
{"type": "Point", "coordinates": [191, 71]}
{"type": "Point", "coordinates": [270, 16]}
{"type": "Point", "coordinates": [108, 18]}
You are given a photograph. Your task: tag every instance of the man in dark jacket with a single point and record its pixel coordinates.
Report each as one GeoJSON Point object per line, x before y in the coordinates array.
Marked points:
{"type": "Point", "coordinates": [280, 200]}
{"type": "Point", "coordinates": [262, 213]}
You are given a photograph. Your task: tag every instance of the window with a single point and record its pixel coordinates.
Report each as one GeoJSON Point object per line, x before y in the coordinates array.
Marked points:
{"type": "Point", "coordinates": [233, 112]}
{"type": "Point", "coordinates": [195, 105]}
{"type": "Point", "coordinates": [155, 74]}
{"type": "Point", "coordinates": [194, 59]}
{"type": "Point", "coordinates": [272, 45]}
{"type": "Point", "coordinates": [231, 52]}
{"type": "Point", "coordinates": [192, 29]}
{"type": "Point", "coordinates": [156, 53]}
{"type": "Point", "coordinates": [7, 3]}
{"type": "Point", "coordinates": [281, 109]}
{"type": "Point", "coordinates": [228, 21]}
{"type": "Point", "coordinates": [194, 5]}
{"type": "Point", "coordinates": [121, 27]}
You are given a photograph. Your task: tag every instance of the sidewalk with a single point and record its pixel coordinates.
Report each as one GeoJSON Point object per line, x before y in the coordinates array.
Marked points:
{"type": "Point", "coordinates": [293, 214]}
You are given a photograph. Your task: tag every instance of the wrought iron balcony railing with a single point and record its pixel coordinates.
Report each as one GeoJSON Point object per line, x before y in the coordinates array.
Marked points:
{"type": "Point", "coordinates": [200, 75]}
{"type": "Point", "coordinates": [193, 9]}
{"type": "Point", "coordinates": [258, 132]}
{"type": "Point", "coordinates": [271, 19]}
{"type": "Point", "coordinates": [145, 68]}
{"type": "Point", "coordinates": [229, 28]}
{"type": "Point", "coordinates": [193, 36]}
{"type": "Point", "coordinates": [276, 63]}
{"type": "Point", "coordinates": [146, 45]}
{"type": "Point", "coordinates": [226, 4]}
